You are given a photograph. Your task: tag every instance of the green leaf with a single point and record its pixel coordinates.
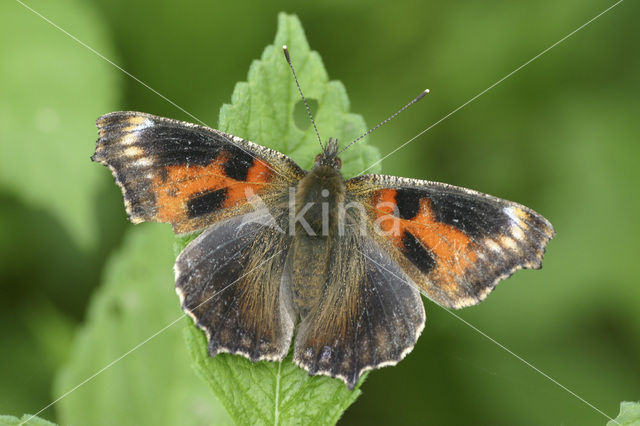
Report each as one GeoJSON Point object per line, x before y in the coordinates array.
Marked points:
{"type": "Point", "coordinates": [154, 384]}
{"type": "Point", "coordinates": [26, 420]}
{"type": "Point", "coordinates": [629, 415]}
{"type": "Point", "coordinates": [52, 91]}
{"type": "Point", "coordinates": [262, 108]}
{"type": "Point", "coordinates": [269, 393]}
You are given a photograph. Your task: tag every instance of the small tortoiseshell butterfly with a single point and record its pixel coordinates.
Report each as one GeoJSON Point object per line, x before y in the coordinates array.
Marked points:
{"type": "Point", "coordinates": [341, 261]}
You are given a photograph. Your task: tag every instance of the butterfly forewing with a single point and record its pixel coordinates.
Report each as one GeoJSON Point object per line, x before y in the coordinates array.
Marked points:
{"type": "Point", "coordinates": [454, 243]}
{"type": "Point", "coordinates": [187, 175]}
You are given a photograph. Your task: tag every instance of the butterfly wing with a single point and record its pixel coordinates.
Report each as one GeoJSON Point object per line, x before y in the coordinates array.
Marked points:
{"type": "Point", "coordinates": [370, 314]}
{"type": "Point", "coordinates": [454, 243]}
{"type": "Point", "coordinates": [229, 280]}
{"type": "Point", "coordinates": [184, 174]}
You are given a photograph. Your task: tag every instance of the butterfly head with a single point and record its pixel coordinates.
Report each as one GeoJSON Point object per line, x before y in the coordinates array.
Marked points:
{"type": "Point", "coordinates": [329, 156]}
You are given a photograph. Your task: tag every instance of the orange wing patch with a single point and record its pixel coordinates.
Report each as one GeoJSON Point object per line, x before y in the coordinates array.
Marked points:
{"type": "Point", "coordinates": [440, 250]}
{"type": "Point", "coordinates": [185, 194]}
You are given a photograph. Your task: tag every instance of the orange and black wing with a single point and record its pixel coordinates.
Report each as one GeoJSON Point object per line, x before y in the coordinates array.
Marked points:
{"type": "Point", "coordinates": [187, 175]}
{"type": "Point", "coordinates": [454, 243]}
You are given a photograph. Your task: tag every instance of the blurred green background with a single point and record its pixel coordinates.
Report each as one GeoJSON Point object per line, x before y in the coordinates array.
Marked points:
{"type": "Point", "coordinates": [561, 136]}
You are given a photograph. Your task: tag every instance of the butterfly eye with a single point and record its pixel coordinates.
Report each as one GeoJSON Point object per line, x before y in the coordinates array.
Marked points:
{"type": "Point", "coordinates": [318, 158]}
{"type": "Point", "coordinates": [339, 162]}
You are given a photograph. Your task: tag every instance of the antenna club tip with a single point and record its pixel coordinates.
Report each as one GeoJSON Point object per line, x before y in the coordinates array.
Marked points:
{"type": "Point", "coordinates": [286, 51]}
{"type": "Point", "coordinates": [421, 95]}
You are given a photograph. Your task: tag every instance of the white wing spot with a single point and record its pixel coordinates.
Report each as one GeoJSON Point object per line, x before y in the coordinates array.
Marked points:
{"type": "Point", "coordinates": [492, 245]}
{"type": "Point", "coordinates": [517, 232]}
{"type": "Point", "coordinates": [146, 123]}
{"type": "Point", "coordinates": [142, 162]}
{"type": "Point", "coordinates": [133, 151]}
{"type": "Point", "coordinates": [513, 216]}
{"type": "Point", "coordinates": [509, 243]}
{"type": "Point", "coordinates": [129, 139]}
{"type": "Point", "coordinates": [517, 224]}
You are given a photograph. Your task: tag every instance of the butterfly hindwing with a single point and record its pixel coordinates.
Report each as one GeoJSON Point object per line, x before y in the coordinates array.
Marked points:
{"type": "Point", "coordinates": [229, 281]}
{"type": "Point", "coordinates": [184, 174]}
{"type": "Point", "coordinates": [454, 243]}
{"type": "Point", "coordinates": [369, 316]}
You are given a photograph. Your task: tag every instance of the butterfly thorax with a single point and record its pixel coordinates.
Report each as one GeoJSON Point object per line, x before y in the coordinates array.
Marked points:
{"type": "Point", "coordinates": [319, 197]}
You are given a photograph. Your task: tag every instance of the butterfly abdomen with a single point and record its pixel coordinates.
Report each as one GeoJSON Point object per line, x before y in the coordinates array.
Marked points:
{"type": "Point", "coordinates": [317, 202]}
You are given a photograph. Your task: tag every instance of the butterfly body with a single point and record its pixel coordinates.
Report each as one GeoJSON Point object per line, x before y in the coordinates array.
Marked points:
{"type": "Point", "coordinates": [341, 262]}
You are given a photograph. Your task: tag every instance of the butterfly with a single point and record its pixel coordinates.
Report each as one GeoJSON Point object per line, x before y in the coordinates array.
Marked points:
{"type": "Point", "coordinates": [340, 262]}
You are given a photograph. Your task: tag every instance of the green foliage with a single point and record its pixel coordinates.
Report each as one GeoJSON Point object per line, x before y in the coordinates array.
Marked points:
{"type": "Point", "coordinates": [268, 393]}
{"type": "Point", "coordinates": [52, 89]}
{"type": "Point", "coordinates": [51, 233]}
{"type": "Point", "coordinates": [262, 108]}
{"type": "Point", "coordinates": [26, 420]}
{"type": "Point", "coordinates": [629, 415]}
{"type": "Point", "coordinates": [153, 384]}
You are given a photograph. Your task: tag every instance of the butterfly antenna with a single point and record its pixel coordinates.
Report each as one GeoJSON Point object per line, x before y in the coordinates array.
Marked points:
{"type": "Point", "coordinates": [416, 99]}
{"type": "Point", "coordinates": [286, 55]}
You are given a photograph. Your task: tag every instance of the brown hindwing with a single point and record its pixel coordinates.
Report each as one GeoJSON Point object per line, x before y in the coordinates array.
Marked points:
{"type": "Point", "coordinates": [229, 281]}
{"type": "Point", "coordinates": [370, 314]}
